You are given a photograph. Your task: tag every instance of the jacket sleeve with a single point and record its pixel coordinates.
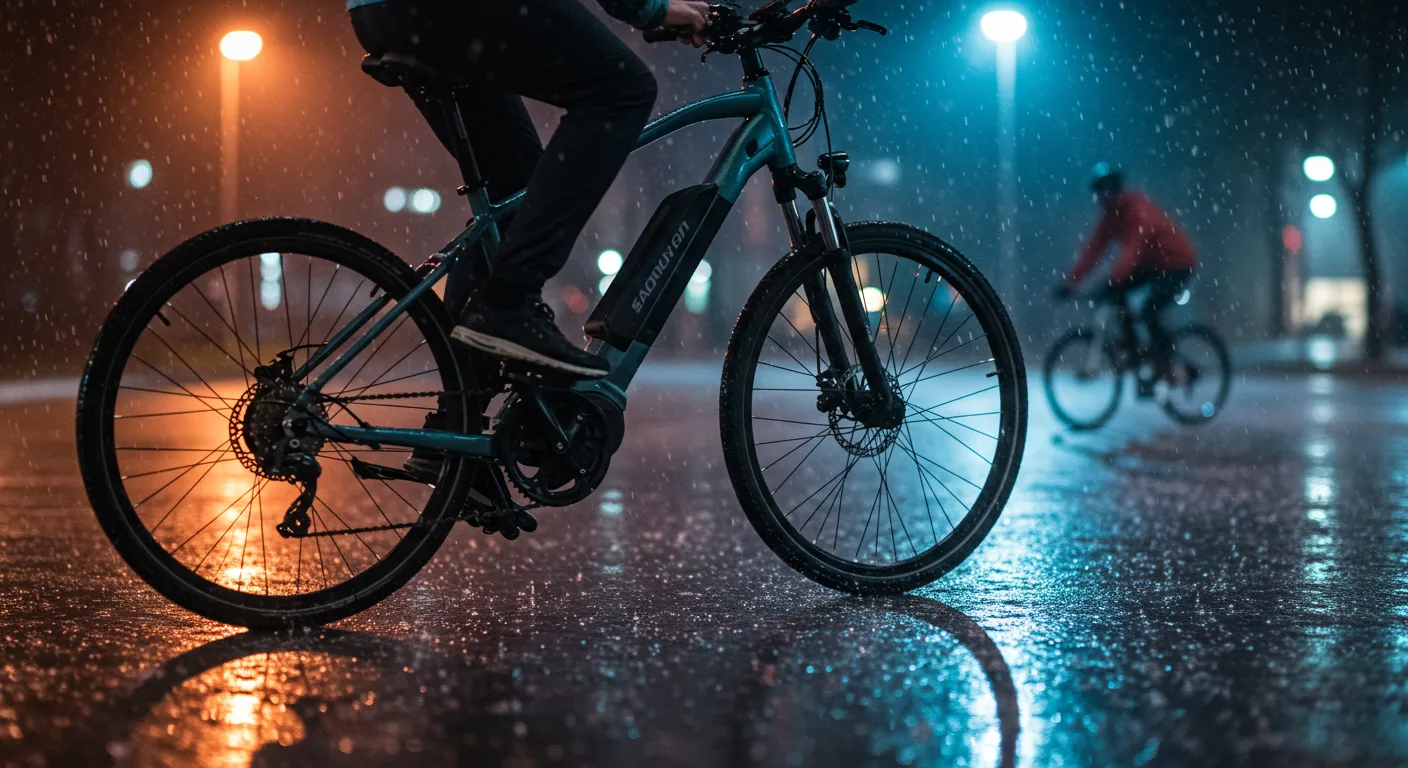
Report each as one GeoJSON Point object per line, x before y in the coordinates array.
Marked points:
{"type": "Point", "coordinates": [641, 14]}
{"type": "Point", "coordinates": [1094, 250]}
{"type": "Point", "coordinates": [1128, 258]}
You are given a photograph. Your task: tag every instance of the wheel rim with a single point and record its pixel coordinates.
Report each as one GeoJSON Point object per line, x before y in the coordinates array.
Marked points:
{"type": "Point", "coordinates": [194, 490]}
{"type": "Point", "coordinates": [1082, 383]}
{"type": "Point", "coordinates": [875, 501]}
{"type": "Point", "coordinates": [1198, 380]}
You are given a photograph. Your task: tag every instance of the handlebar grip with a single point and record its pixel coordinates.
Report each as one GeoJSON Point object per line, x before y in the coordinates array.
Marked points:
{"type": "Point", "coordinates": [661, 35]}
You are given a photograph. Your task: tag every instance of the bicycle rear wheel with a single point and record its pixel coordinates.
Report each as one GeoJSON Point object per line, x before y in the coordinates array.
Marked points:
{"type": "Point", "coordinates": [175, 413]}
{"type": "Point", "coordinates": [1201, 376]}
{"type": "Point", "coordinates": [873, 510]}
{"type": "Point", "coordinates": [1082, 380]}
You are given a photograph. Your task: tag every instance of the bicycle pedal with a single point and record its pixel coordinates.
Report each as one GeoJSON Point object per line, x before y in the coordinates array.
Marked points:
{"type": "Point", "coordinates": [508, 524]}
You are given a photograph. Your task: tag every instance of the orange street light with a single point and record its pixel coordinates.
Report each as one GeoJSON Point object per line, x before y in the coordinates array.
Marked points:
{"type": "Point", "coordinates": [236, 47]}
{"type": "Point", "coordinates": [241, 45]}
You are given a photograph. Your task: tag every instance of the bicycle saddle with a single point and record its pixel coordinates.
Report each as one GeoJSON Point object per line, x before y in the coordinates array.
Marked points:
{"type": "Point", "coordinates": [403, 70]}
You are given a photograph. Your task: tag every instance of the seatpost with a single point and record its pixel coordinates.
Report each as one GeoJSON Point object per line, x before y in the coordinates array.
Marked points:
{"type": "Point", "coordinates": [475, 187]}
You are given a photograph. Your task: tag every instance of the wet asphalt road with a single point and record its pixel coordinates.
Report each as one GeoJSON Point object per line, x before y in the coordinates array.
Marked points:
{"type": "Point", "coordinates": [1153, 595]}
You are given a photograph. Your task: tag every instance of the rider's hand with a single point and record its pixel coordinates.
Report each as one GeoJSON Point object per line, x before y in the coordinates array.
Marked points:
{"type": "Point", "coordinates": [1064, 291]}
{"type": "Point", "coordinates": [689, 18]}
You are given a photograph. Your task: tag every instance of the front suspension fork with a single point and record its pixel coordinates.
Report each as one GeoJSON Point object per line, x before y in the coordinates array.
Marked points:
{"type": "Point", "coordinates": [853, 313]}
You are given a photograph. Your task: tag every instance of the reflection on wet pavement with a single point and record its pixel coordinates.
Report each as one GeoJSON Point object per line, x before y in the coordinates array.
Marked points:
{"type": "Point", "coordinates": [1232, 594]}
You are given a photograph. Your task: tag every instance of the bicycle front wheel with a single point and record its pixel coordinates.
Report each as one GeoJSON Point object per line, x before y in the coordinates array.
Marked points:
{"type": "Point", "coordinates": [876, 510]}
{"type": "Point", "coordinates": [183, 392]}
{"type": "Point", "coordinates": [1082, 380]}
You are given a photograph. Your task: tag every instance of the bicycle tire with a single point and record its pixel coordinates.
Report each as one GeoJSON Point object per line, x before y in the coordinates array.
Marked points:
{"type": "Point", "coordinates": [1209, 409]}
{"type": "Point", "coordinates": [1072, 338]}
{"type": "Point", "coordinates": [736, 421]}
{"type": "Point", "coordinates": [98, 393]}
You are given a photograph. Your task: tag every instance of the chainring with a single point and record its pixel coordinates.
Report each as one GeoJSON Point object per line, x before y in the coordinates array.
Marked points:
{"type": "Point", "coordinates": [532, 459]}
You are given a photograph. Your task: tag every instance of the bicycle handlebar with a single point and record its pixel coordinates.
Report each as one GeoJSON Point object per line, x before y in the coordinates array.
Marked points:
{"type": "Point", "coordinates": [774, 23]}
{"type": "Point", "coordinates": [661, 35]}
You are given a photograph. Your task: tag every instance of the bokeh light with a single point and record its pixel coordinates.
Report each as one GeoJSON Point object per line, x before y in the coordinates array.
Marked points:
{"type": "Point", "coordinates": [1323, 206]}
{"type": "Point", "coordinates": [140, 174]}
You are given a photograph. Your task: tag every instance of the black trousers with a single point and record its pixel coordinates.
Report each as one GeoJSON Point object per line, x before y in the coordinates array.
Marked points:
{"type": "Point", "coordinates": [553, 51]}
{"type": "Point", "coordinates": [1162, 289]}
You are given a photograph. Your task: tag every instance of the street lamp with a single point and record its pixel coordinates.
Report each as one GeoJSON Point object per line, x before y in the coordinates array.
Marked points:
{"type": "Point", "coordinates": [236, 47]}
{"type": "Point", "coordinates": [1005, 28]}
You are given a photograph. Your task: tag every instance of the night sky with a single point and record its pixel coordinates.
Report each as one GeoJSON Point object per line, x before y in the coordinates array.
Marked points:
{"type": "Point", "coordinates": [1209, 105]}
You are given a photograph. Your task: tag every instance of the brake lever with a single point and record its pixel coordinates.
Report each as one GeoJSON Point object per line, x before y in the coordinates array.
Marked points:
{"type": "Point", "coordinates": [870, 27]}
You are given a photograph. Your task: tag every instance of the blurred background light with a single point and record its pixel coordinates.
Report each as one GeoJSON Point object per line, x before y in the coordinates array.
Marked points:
{"type": "Point", "coordinates": [1323, 206]}
{"type": "Point", "coordinates": [425, 201]}
{"type": "Point", "coordinates": [873, 298]}
{"type": "Point", "coordinates": [1319, 168]}
{"type": "Point", "coordinates": [139, 174]}
{"type": "Point", "coordinates": [395, 199]}
{"type": "Point", "coordinates": [609, 262]}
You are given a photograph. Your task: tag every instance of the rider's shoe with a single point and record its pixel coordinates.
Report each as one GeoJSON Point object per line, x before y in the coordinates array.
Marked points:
{"type": "Point", "coordinates": [529, 335]}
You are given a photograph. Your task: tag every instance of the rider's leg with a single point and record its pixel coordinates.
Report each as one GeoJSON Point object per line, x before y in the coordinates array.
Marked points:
{"type": "Point", "coordinates": [1164, 290]}
{"type": "Point", "coordinates": [562, 55]}
{"type": "Point", "coordinates": [1120, 295]}
{"type": "Point", "coordinates": [507, 150]}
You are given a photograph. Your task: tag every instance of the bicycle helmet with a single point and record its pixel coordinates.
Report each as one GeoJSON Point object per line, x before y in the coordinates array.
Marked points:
{"type": "Point", "coordinates": [1107, 179]}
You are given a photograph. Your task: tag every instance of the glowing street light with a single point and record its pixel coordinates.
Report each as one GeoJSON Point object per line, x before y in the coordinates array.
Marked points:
{"type": "Point", "coordinates": [235, 47]}
{"type": "Point", "coordinates": [1004, 26]}
{"type": "Point", "coordinates": [1319, 168]}
{"type": "Point", "coordinates": [1323, 206]}
{"type": "Point", "coordinates": [241, 45]}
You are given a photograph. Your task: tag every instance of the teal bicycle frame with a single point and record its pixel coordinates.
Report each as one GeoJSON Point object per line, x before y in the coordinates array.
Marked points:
{"type": "Point", "coordinates": [763, 140]}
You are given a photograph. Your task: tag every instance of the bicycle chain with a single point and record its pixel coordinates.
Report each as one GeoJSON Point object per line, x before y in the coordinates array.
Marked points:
{"type": "Point", "coordinates": [406, 396]}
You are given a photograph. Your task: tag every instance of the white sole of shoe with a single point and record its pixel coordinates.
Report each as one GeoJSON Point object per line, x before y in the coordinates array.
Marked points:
{"type": "Point", "coordinates": [507, 349]}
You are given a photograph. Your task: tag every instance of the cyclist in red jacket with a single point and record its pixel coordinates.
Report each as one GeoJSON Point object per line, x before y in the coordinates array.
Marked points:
{"type": "Point", "coordinates": [1154, 253]}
